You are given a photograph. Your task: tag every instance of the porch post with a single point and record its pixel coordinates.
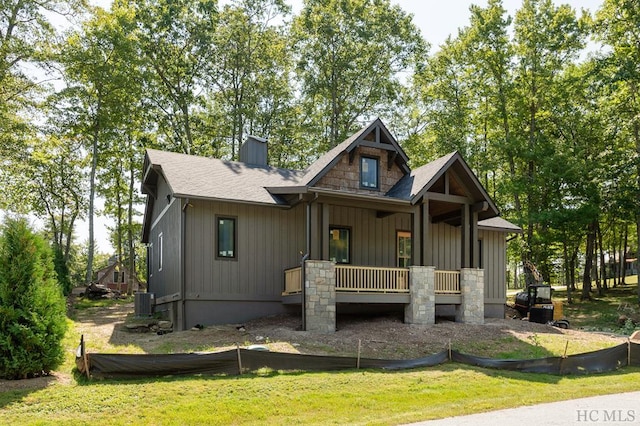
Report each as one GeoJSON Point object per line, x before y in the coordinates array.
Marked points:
{"type": "Point", "coordinates": [471, 311]}
{"type": "Point", "coordinates": [475, 259]}
{"type": "Point", "coordinates": [466, 237]}
{"type": "Point", "coordinates": [320, 296]}
{"type": "Point", "coordinates": [416, 235]}
{"type": "Point", "coordinates": [324, 232]}
{"type": "Point", "coordinates": [315, 237]}
{"type": "Point", "coordinates": [427, 258]}
{"type": "Point", "coordinates": [422, 308]}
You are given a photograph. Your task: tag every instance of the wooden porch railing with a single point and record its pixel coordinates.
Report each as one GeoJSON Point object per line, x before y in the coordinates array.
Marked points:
{"type": "Point", "coordinates": [372, 279]}
{"type": "Point", "coordinates": [447, 282]}
{"type": "Point", "coordinates": [293, 280]}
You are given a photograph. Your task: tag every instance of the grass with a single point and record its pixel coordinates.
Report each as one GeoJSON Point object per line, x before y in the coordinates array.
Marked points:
{"type": "Point", "coordinates": [354, 397]}
{"type": "Point", "coordinates": [85, 303]}
{"type": "Point", "coordinates": [602, 312]}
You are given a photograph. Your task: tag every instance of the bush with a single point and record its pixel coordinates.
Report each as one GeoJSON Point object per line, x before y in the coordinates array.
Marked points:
{"type": "Point", "coordinates": [32, 308]}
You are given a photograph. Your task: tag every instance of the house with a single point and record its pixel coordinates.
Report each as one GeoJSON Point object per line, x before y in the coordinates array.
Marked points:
{"type": "Point", "coordinates": [231, 241]}
{"type": "Point", "coordinates": [116, 276]}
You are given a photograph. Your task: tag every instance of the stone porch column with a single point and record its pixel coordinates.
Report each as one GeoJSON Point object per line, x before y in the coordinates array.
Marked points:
{"type": "Point", "coordinates": [320, 296]}
{"type": "Point", "coordinates": [471, 311]}
{"type": "Point", "coordinates": [422, 308]}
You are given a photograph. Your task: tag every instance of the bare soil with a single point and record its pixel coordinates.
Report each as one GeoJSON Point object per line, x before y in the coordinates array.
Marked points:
{"type": "Point", "coordinates": [382, 336]}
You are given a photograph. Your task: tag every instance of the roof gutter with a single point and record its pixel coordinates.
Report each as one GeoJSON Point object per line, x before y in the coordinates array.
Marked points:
{"type": "Point", "coordinates": [351, 196]}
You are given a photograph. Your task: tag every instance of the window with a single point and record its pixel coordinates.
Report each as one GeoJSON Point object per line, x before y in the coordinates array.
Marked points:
{"type": "Point", "coordinates": [369, 172]}
{"type": "Point", "coordinates": [116, 275]}
{"type": "Point", "coordinates": [339, 245]}
{"type": "Point", "coordinates": [160, 252]}
{"type": "Point", "coordinates": [226, 248]}
{"type": "Point", "coordinates": [404, 248]}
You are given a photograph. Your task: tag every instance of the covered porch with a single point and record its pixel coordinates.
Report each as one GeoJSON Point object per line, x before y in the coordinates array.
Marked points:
{"type": "Point", "coordinates": [418, 288]}
{"type": "Point", "coordinates": [365, 284]}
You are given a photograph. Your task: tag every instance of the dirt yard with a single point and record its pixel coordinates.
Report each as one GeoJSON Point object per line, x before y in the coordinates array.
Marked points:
{"type": "Point", "coordinates": [378, 336]}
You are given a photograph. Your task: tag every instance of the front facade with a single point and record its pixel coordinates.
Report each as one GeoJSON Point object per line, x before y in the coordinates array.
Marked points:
{"type": "Point", "coordinates": [232, 241]}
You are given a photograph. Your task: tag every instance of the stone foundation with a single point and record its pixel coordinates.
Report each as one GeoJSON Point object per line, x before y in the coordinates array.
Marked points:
{"type": "Point", "coordinates": [471, 311]}
{"type": "Point", "coordinates": [320, 296]}
{"type": "Point", "coordinates": [422, 309]}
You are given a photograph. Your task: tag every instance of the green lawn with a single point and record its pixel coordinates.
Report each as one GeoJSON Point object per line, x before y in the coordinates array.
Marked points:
{"type": "Point", "coordinates": [356, 397]}
{"type": "Point", "coordinates": [602, 312]}
{"type": "Point", "coordinates": [351, 397]}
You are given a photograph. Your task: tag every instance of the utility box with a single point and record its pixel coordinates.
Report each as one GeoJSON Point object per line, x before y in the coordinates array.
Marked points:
{"type": "Point", "coordinates": [144, 303]}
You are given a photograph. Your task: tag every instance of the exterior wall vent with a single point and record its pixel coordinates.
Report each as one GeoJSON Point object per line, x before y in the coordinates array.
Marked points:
{"type": "Point", "coordinates": [144, 303]}
{"type": "Point", "coordinates": [254, 151]}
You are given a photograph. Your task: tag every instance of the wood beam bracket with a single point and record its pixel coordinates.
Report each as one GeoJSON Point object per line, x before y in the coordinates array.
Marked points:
{"type": "Point", "coordinates": [352, 155]}
{"type": "Point", "coordinates": [391, 158]}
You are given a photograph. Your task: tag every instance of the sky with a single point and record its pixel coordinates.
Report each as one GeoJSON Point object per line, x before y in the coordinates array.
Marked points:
{"type": "Point", "coordinates": [436, 19]}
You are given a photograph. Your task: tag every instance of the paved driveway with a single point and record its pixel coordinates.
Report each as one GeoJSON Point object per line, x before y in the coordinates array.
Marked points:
{"type": "Point", "coordinates": [617, 409]}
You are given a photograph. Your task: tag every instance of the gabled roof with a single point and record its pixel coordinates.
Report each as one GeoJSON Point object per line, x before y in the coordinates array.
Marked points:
{"type": "Point", "coordinates": [191, 176]}
{"type": "Point", "coordinates": [210, 178]}
{"type": "Point", "coordinates": [412, 185]}
{"type": "Point", "coordinates": [415, 185]}
{"type": "Point", "coordinates": [383, 139]}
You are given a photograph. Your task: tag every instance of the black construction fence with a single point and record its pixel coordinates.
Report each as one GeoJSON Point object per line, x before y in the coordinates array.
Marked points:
{"type": "Point", "coordinates": [239, 361]}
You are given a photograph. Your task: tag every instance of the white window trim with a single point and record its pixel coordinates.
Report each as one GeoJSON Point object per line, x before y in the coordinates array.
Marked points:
{"type": "Point", "coordinates": [160, 247]}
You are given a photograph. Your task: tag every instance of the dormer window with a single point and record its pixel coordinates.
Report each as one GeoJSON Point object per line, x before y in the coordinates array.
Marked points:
{"type": "Point", "coordinates": [369, 172]}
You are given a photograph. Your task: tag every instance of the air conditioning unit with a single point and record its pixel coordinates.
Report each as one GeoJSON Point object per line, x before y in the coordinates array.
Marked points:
{"type": "Point", "coordinates": [144, 303]}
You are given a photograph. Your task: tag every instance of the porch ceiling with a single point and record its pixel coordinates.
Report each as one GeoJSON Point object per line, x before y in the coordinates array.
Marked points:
{"type": "Point", "coordinates": [443, 211]}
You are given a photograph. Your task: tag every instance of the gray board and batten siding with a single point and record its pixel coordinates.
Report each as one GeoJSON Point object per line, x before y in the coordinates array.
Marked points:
{"type": "Point", "coordinates": [274, 210]}
{"type": "Point", "coordinates": [164, 279]}
{"type": "Point", "coordinates": [269, 240]}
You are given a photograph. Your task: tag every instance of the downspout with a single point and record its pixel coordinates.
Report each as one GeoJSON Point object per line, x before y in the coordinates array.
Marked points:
{"type": "Point", "coordinates": [183, 244]}
{"type": "Point", "coordinates": [305, 257]}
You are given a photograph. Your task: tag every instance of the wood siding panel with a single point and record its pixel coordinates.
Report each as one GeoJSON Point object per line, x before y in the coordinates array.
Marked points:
{"type": "Point", "coordinates": [444, 245]}
{"type": "Point", "coordinates": [269, 241]}
{"type": "Point", "coordinates": [166, 281]}
{"type": "Point", "coordinates": [494, 261]}
{"type": "Point", "coordinates": [373, 240]}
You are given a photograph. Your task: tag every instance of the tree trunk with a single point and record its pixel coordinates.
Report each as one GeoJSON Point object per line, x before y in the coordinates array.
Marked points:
{"type": "Point", "coordinates": [586, 278]}
{"type": "Point", "coordinates": [92, 189]}
{"type": "Point", "coordinates": [574, 259]}
{"type": "Point", "coordinates": [603, 266]}
{"type": "Point", "coordinates": [130, 243]}
{"type": "Point", "coordinates": [623, 256]}
{"type": "Point", "coordinates": [567, 277]}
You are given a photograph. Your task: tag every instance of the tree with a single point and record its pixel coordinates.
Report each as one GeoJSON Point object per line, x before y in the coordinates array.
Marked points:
{"type": "Point", "coordinates": [617, 24]}
{"type": "Point", "coordinates": [175, 39]}
{"type": "Point", "coordinates": [248, 78]}
{"type": "Point", "coordinates": [350, 55]}
{"type": "Point", "coordinates": [32, 309]}
{"type": "Point", "coordinates": [25, 42]}
{"type": "Point", "coordinates": [547, 38]}
{"type": "Point", "coordinates": [97, 97]}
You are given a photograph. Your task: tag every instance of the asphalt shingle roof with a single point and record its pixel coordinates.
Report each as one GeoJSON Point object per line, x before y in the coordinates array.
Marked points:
{"type": "Point", "coordinates": [414, 182]}
{"type": "Point", "coordinates": [210, 178]}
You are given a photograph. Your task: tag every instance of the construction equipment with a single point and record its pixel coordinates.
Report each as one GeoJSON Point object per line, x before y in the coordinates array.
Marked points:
{"type": "Point", "coordinates": [535, 302]}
